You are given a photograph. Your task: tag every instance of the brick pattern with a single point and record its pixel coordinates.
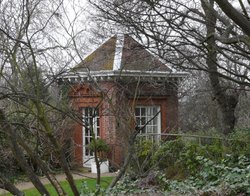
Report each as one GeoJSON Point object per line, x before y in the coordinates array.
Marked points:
{"type": "Point", "coordinates": [116, 113]}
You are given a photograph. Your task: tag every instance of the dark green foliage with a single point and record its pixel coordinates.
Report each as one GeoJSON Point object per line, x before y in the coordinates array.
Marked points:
{"type": "Point", "coordinates": [33, 84]}
{"type": "Point", "coordinates": [100, 145]}
{"type": "Point", "coordinates": [8, 164]}
{"type": "Point", "coordinates": [239, 142]}
{"type": "Point", "coordinates": [168, 153]}
{"type": "Point", "coordinates": [177, 157]}
{"type": "Point", "coordinates": [141, 160]}
{"type": "Point", "coordinates": [188, 166]}
{"type": "Point", "coordinates": [214, 178]}
{"type": "Point", "coordinates": [64, 89]}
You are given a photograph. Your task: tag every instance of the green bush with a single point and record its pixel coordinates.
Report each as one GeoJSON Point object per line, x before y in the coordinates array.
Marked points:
{"type": "Point", "coordinates": [141, 162]}
{"type": "Point", "coordinates": [214, 178]}
{"type": "Point", "coordinates": [191, 166]}
{"type": "Point", "coordinates": [196, 164]}
{"type": "Point", "coordinates": [168, 153]}
{"type": "Point", "coordinates": [175, 157]}
{"type": "Point", "coordinates": [100, 145]}
{"type": "Point", "coordinates": [239, 142]}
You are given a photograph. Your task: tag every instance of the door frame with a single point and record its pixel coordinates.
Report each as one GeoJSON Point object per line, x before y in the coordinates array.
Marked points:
{"type": "Point", "coordinates": [88, 159]}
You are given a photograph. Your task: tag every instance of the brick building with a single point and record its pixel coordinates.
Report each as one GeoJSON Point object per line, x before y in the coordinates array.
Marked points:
{"type": "Point", "coordinates": [119, 86]}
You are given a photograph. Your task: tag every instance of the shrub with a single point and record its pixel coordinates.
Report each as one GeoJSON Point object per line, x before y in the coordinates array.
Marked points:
{"type": "Point", "coordinates": [215, 164]}
{"type": "Point", "coordinates": [101, 147]}
{"type": "Point", "coordinates": [141, 163]}
{"type": "Point", "coordinates": [168, 153]}
{"type": "Point", "coordinates": [239, 142]}
{"type": "Point", "coordinates": [214, 178]}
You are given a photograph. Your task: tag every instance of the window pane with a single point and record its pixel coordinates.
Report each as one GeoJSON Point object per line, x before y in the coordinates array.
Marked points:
{"type": "Point", "coordinates": [92, 123]}
{"type": "Point", "coordinates": [138, 121]}
{"type": "Point", "coordinates": [143, 121]}
{"type": "Point", "coordinates": [143, 111]}
{"type": "Point", "coordinates": [155, 111]}
{"type": "Point", "coordinates": [143, 131]}
{"type": "Point", "coordinates": [149, 120]}
{"type": "Point", "coordinates": [97, 132]}
{"type": "Point", "coordinates": [155, 120]}
{"type": "Point", "coordinates": [98, 122]}
{"type": "Point", "coordinates": [154, 128]}
{"type": "Point", "coordinates": [149, 129]}
{"type": "Point", "coordinates": [137, 111]}
{"type": "Point", "coordinates": [144, 115]}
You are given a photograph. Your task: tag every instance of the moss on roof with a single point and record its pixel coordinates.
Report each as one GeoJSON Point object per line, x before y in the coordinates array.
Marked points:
{"type": "Point", "coordinates": [134, 57]}
{"type": "Point", "coordinates": [101, 59]}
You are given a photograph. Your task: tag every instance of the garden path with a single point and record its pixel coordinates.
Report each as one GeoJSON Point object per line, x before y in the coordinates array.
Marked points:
{"type": "Point", "coordinates": [60, 177]}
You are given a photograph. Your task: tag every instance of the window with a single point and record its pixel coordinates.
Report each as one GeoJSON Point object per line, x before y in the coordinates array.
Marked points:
{"type": "Point", "coordinates": [91, 120]}
{"type": "Point", "coordinates": [145, 115]}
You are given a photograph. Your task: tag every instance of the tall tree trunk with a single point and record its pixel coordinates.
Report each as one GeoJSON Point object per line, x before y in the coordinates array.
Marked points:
{"type": "Point", "coordinates": [68, 174]}
{"type": "Point", "coordinates": [18, 153]}
{"type": "Point", "coordinates": [44, 169]}
{"type": "Point", "coordinates": [227, 103]}
{"type": "Point", "coordinates": [7, 185]}
{"type": "Point", "coordinates": [97, 160]}
{"type": "Point", "coordinates": [58, 149]}
{"type": "Point", "coordinates": [63, 162]}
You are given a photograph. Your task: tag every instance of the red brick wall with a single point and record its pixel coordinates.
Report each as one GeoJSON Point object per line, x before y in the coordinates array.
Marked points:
{"type": "Point", "coordinates": [116, 115]}
{"type": "Point", "coordinates": [85, 96]}
{"type": "Point", "coordinates": [81, 96]}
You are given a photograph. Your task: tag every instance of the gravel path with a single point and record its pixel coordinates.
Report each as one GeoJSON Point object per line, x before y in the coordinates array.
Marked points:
{"type": "Point", "coordinates": [60, 177]}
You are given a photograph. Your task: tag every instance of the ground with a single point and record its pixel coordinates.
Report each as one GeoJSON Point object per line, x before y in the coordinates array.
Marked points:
{"type": "Point", "coordinates": [60, 177]}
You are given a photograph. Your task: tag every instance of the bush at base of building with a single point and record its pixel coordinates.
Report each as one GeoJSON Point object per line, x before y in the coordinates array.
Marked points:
{"type": "Point", "coordinates": [193, 166]}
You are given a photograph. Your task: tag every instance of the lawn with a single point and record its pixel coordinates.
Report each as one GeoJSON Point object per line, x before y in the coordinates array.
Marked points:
{"type": "Point", "coordinates": [105, 181]}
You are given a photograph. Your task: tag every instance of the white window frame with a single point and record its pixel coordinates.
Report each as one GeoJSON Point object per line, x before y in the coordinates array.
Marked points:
{"type": "Point", "coordinates": [152, 130]}
{"type": "Point", "coordinates": [88, 156]}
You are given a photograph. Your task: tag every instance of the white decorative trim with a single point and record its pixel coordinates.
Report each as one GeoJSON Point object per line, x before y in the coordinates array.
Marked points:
{"type": "Point", "coordinates": [135, 73]}
{"type": "Point", "coordinates": [117, 75]}
{"type": "Point", "coordinates": [118, 52]}
{"type": "Point", "coordinates": [107, 75]}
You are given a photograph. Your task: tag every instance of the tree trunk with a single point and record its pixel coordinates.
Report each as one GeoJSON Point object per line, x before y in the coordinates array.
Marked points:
{"type": "Point", "coordinates": [228, 113]}
{"type": "Point", "coordinates": [44, 169]}
{"type": "Point", "coordinates": [227, 103]}
{"type": "Point", "coordinates": [68, 174]}
{"type": "Point", "coordinates": [63, 162]}
{"type": "Point", "coordinates": [7, 185]}
{"type": "Point", "coordinates": [235, 15]}
{"type": "Point", "coordinates": [18, 153]}
{"type": "Point", "coordinates": [98, 165]}
{"type": "Point", "coordinates": [58, 149]}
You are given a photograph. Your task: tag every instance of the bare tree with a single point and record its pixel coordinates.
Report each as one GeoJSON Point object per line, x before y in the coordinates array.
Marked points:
{"type": "Point", "coordinates": [28, 109]}
{"type": "Point", "coordinates": [192, 35]}
{"type": "Point", "coordinates": [240, 17]}
{"type": "Point", "coordinates": [198, 109]}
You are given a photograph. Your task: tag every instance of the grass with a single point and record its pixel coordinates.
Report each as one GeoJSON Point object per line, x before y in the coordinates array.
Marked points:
{"type": "Point", "coordinates": [91, 183]}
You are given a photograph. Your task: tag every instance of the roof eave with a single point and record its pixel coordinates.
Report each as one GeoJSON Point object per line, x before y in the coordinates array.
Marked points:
{"type": "Point", "coordinates": [109, 75]}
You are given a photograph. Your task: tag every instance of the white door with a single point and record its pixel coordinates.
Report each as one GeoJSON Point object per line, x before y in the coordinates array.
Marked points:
{"type": "Point", "coordinates": [91, 121]}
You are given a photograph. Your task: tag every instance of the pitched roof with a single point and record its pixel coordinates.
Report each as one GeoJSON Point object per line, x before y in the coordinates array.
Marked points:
{"type": "Point", "coordinates": [121, 52]}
